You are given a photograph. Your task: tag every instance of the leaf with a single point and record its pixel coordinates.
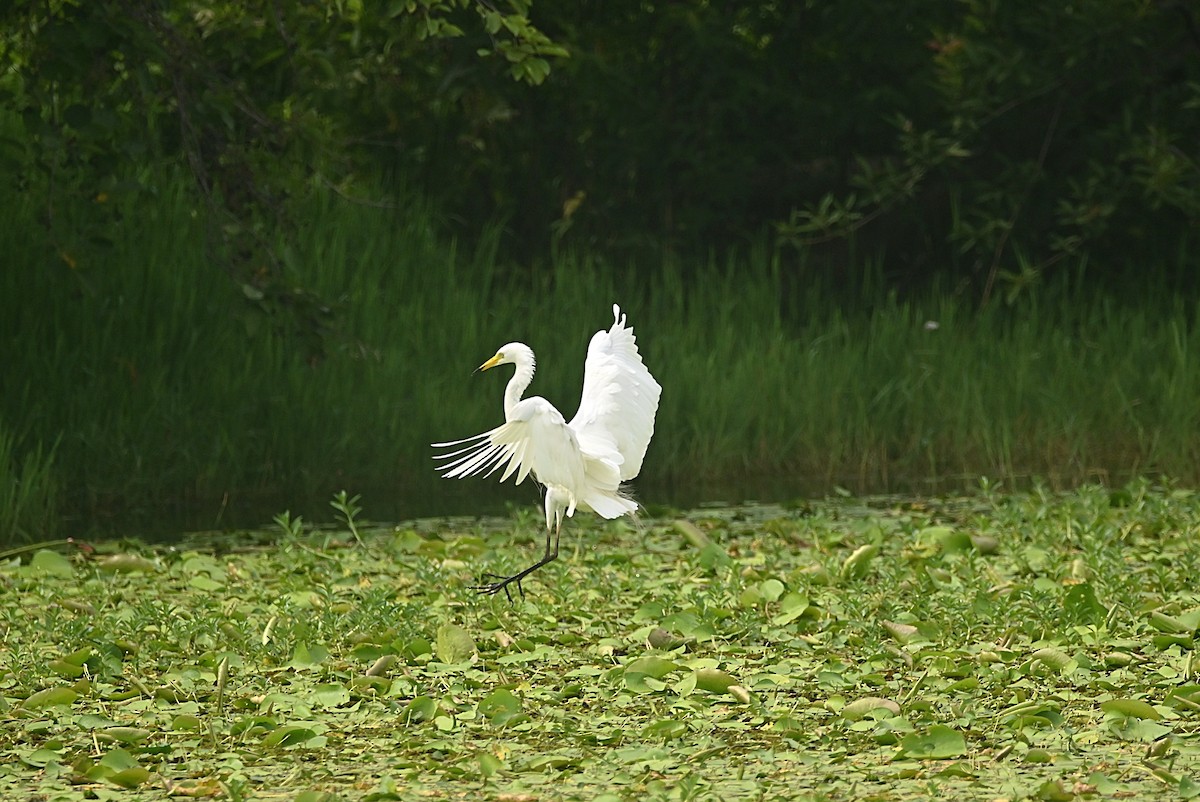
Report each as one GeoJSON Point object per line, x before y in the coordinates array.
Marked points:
{"type": "Point", "coordinates": [947, 539]}
{"type": "Point", "coordinates": [381, 665]}
{"type": "Point", "coordinates": [288, 735]}
{"type": "Point", "coordinates": [1190, 618]}
{"type": "Point", "coordinates": [500, 707]}
{"type": "Point", "coordinates": [186, 723]}
{"type": "Point", "coordinates": [685, 686]}
{"type": "Point", "coordinates": [1137, 729]}
{"type": "Point", "coordinates": [714, 680]}
{"type": "Point", "coordinates": [939, 742]}
{"type": "Point", "coordinates": [65, 669]}
{"type": "Point", "coordinates": [688, 624]}
{"type": "Point", "coordinates": [860, 708]}
{"type": "Point", "coordinates": [1130, 707]}
{"type": "Point", "coordinates": [1185, 697]}
{"type": "Point", "coordinates": [692, 534]}
{"type": "Point", "coordinates": [740, 693]}
{"type": "Point", "coordinates": [421, 708]}
{"type": "Point", "coordinates": [712, 556]}
{"type": "Point", "coordinates": [904, 633]}
{"type": "Point", "coordinates": [50, 563]}
{"type": "Point", "coordinates": [125, 735]}
{"type": "Point", "coordinates": [792, 606]}
{"type": "Point", "coordinates": [126, 563]}
{"type": "Point", "coordinates": [1164, 642]}
{"type": "Point", "coordinates": [645, 674]}
{"type": "Point", "coordinates": [318, 796]}
{"type": "Point", "coordinates": [648, 612]}
{"type": "Point", "coordinates": [331, 695]}
{"type": "Point", "coordinates": [660, 638]}
{"type": "Point", "coordinates": [130, 778]}
{"type": "Point", "coordinates": [49, 697]}
{"type": "Point", "coordinates": [855, 566]}
{"type": "Point", "coordinates": [118, 760]}
{"type": "Point", "coordinates": [1165, 623]}
{"type": "Point", "coordinates": [666, 729]}
{"type": "Point", "coordinates": [1038, 756]}
{"type": "Point", "coordinates": [657, 667]}
{"type": "Point", "coordinates": [205, 583]}
{"type": "Point", "coordinates": [1081, 604]}
{"type": "Point", "coordinates": [771, 589]}
{"type": "Point", "coordinates": [368, 651]}
{"type": "Point", "coordinates": [305, 656]}
{"type": "Point", "coordinates": [1055, 658]}
{"type": "Point", "coordinates": [417, 647]}
{"type": "Point", "coordinates": [489, 764]}
{"type": "Point", "coordinates": [815, 574]}
{"type": "Point", "coordinates": [454, 644]}
{"type": "Point", "coordinates": [1053, 791]}
{"type": "Point", "coordinates": [1103, 783]}
{"type": "Point", "coordinates": [1031, 712]}
{"type": "Point", "coordinates": [985, 544]}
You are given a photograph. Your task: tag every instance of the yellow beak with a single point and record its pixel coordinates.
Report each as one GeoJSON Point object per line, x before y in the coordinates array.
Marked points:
{"type": "Point", "coordinates": [491, 363]}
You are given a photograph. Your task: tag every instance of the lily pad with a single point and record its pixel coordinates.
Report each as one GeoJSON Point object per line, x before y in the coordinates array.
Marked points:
{"type": "Point", "coordinates": [860, 708]}
{"type": "Point", "coordinates": [454, 644]}
{"type": "Point", "coordinates": [939, 742]}
{"type": "Point", "coordinates": [1130, 707]}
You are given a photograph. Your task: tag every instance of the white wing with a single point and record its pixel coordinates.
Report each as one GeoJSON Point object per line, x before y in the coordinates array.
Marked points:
{"type": "Point", "coordinates": [535, 439]}
{"type": "Point", "coordinates": [620, 399]}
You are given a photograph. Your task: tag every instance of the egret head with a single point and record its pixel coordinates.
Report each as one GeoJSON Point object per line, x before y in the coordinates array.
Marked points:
{"type": "Point", "coordinates": [511, 354]}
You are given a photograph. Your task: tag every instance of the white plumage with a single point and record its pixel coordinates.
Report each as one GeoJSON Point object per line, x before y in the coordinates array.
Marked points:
{"type": "Point", "coordinates": [581, 463]}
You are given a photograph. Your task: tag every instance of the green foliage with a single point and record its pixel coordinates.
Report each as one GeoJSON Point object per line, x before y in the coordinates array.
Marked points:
{"type": "Point", "coordinates": [997, 142]}
{"type": "Point", "coordinates": [255, 100]}
{"type": "Point", "coordinates": [692, 124]}
{"type": "Point", "coordinates": [165, 385]}
{"type": "Point", "coordinates": [320, 670]}
{"type": "Point", "coordinates": [1059, 131]}
{"type": "Point", "coordinates": [30, 503]}
{"type": "Point", "coordinates": [348, 509]}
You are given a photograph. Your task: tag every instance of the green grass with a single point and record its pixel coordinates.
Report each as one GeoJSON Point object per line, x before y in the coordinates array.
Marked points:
{"type": "Point", "coordinates": [29, 506]}
{"type": "Point", "coordinates": [162, 385]}
{"type": "Point", "coordinates": [1035, 646]}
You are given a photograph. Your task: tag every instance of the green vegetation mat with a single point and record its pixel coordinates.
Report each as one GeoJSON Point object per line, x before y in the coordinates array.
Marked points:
{"type": "Point", "coordinates": [1000, 647]}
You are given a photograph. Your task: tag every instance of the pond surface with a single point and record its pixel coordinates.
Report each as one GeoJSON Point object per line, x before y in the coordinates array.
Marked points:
{"type": "Point", "coordinates": [436, 498]}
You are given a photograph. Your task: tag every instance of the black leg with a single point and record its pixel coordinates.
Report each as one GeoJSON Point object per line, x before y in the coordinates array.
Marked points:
{"type": "Point", "coordinates": [550, 555]}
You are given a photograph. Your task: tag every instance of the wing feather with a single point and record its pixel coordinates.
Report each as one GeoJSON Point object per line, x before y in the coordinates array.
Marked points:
{"type": "Point", "coordinates": [616, 413]}
{"type": "Point", "coordinates": [535, 439]}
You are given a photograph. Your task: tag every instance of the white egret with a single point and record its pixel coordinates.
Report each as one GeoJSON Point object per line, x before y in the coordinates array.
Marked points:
{"type": "Point", "coordinates": [582, 463]}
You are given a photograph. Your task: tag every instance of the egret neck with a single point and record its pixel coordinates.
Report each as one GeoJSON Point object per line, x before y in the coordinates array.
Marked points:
{"type": "Point", "coordinates": [523, 360]}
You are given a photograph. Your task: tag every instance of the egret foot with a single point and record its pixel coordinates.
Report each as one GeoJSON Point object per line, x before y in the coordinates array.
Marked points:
{"type": "Point", "coordinates": [492, 588]}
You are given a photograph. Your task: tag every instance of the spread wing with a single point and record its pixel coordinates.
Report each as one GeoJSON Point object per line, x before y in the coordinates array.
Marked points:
{"type": "Point", "coordinates": [535, 439]}
{"type": "Point", "coordinates": [620, 399]}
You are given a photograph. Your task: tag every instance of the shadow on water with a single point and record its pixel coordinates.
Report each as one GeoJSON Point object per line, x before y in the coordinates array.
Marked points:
{"type": "Point", "coordinates": [439, 498]}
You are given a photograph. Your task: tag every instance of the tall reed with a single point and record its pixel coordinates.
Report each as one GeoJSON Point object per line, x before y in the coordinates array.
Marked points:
{"type": "Point", "coordinates": [29, 502]}
{"type": "Point", "coordinates": [159, 381]}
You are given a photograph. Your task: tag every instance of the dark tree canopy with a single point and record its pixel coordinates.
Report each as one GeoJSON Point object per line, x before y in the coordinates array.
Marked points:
{"type": "Point", "coordinates": [986, 140]}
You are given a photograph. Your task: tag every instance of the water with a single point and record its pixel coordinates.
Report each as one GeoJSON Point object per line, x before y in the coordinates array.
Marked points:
{"type": "Point", "coordinates": [442, 498]}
